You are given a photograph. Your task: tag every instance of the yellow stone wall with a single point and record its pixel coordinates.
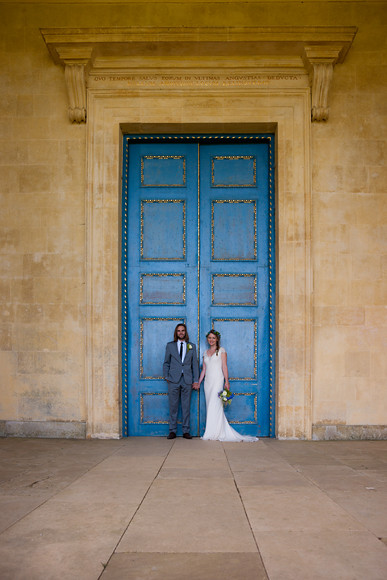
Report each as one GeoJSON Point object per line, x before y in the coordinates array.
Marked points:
{"type": "Point", "coordinates": [43, 366]}
{"type": "Point", "coordinates": [349, 235]}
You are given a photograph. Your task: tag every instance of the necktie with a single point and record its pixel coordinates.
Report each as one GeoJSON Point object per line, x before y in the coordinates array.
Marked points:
{"type": "Point", "coordinates": [181, 351]}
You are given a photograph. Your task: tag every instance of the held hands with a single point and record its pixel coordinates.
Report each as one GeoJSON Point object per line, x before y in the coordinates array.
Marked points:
{"type": "Point", "coordinates": [196, 386]}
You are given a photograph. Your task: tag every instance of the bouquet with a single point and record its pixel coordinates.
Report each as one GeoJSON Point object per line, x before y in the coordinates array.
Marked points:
{"type": "Point", "coordinates": [225, 396]}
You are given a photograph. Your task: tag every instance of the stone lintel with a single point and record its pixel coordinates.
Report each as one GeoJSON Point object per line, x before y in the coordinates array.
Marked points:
{"type": "Point", "coordinates": [269, 37]}
{"type": "Point", "coordinates": [320, 47]}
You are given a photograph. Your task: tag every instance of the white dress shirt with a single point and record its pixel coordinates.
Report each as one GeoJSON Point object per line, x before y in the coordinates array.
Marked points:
{"type": "Point", "coordinates": [179, 342]}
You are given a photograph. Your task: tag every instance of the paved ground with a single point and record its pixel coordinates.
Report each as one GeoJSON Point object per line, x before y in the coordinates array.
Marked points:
{"type": "Point", "coordinates": [148, 508]}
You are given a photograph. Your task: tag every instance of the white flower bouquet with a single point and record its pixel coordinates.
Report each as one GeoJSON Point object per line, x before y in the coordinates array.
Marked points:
{"type": "Point", "coordinates": [225, 396]}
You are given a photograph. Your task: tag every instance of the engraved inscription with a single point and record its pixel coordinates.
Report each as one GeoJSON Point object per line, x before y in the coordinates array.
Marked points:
{"type": "Point", "coordinates": [196, 80]}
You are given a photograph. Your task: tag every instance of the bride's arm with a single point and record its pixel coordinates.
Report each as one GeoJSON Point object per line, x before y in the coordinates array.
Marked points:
{"type": "Point", "coordinates": [202, 373]}
{"type": "Point", "coordinates": [225, 369]}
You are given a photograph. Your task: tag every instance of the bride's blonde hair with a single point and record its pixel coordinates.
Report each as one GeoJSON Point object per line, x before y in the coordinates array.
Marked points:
{"type": "Point", "coordinates": [217, 336]}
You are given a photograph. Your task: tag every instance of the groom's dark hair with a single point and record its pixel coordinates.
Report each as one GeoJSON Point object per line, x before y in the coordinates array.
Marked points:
{"type": "Point", "coordinates": [176, 338]}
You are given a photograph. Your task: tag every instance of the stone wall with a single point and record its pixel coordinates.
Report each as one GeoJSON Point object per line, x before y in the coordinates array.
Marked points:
{"type": "Point", "coordinates": [43, 378]}
{"type": "Point", "coordinates": [349, 186]}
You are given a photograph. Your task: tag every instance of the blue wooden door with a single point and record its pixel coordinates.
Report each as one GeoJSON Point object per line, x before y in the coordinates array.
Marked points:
{"type": "Point", "coordinates": [197, 247]}
{"type": "Point", "coordinates": [234, 274]}
{"type": "Point", "coordinates": [162, 279]}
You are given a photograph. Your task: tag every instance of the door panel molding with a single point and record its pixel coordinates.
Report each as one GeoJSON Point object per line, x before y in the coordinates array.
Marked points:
{"type": "Point", "coordinates": [155, 288]}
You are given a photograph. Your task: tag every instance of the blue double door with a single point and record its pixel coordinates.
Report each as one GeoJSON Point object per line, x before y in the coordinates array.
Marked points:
{"type": "Point", "coordinates": [198, 248]}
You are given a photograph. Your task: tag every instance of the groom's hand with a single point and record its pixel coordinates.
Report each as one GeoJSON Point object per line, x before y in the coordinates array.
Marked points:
{"type": "Point", "coordinates": [195, 386]}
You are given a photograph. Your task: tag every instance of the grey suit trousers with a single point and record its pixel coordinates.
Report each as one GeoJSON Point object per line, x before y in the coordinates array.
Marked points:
{"type": "Point", "coordinates": [174, 392]}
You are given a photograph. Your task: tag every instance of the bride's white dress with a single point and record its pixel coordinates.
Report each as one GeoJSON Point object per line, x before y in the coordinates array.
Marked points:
{"type": "Point", "coordinates": [217, 426]}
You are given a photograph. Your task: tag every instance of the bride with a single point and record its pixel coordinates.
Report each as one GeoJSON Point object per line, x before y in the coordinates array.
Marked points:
{"type": "Point", "coordinates": [216, 373]}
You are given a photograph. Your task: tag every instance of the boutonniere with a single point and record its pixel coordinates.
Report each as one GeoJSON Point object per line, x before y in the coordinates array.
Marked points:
{"type": "Point", "coordinates": [189, 346]}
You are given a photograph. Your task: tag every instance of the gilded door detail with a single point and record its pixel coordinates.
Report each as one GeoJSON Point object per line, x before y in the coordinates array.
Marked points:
{"type": "Point", "coordinates": [198, 247]}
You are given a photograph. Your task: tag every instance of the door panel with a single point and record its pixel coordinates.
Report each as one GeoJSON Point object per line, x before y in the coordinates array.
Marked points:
{"type": "Point", "coordinates": [162, 273]}
{"type": "Point", "coordinates": [198, 248]}
{"type": "Point", "coordinates": [234, 204]}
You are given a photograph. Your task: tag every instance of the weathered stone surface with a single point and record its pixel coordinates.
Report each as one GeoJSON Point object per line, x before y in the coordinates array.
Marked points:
{"type": "Point", "coordinates": [52, 429]}
{"type": "Point", "coordinates": [339, 432]}
{"type": "Point", "coordinates": [243, 566]}
{"type": "Point", "coordinates": [60, 200]}
{"type": "Point", "coordinates": [145, 508]}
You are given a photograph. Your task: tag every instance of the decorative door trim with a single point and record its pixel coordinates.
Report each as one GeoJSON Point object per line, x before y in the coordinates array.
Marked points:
{"type": "Point", "coordinates": [261, 92]}
{"type": "Point", "coordinates": [90, 56]}
{"type": "Point", "coordinates": [203, 139]}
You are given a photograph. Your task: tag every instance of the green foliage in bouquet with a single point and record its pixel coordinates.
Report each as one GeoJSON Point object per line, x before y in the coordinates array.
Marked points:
{"type": "Point", "coordinates": [225, 395]}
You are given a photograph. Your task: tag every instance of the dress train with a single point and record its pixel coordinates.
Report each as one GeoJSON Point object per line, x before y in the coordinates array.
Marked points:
{"type": "Point", "coordinates": [217, 426]}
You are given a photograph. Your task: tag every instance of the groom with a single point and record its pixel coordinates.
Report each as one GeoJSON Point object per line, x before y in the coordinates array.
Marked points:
{"type": "Point", "coordinates": [181, 371]}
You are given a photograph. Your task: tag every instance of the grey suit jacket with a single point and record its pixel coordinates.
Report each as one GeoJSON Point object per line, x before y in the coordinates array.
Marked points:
{"type": "Point", "coordinates": [173, 368]}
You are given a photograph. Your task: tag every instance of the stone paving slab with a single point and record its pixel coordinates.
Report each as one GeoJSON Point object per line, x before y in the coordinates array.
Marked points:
{"type": "Point", "coordinates": [32, 471]}
{"type": "Point", "coordinates": [14, 508]}
{"type": "Point", "coordinates": [196, 454]}
{"type": "Point", "coordinates": [176, 473]}
{"type": "Point", "coordinates": [254, 457]}
{"type": "Point", "coordinates": [152, 508]}
{"type": "Point", "coordinates": [339, 478]}
{"type": "Point", "coordinates": [62, 540]}
{"type": "Point", "coordinates": [294, 509]}
{"type": "Point", "coordinates": [144, 447]}
{"type": "Point", "coordinates": [189, 515]}
{"type": "Point", "coordinates": [74, 533]}
{"type": "Point", "coordinates": [150, 566]}
{"type": "Point", "coordinates": [270, 479]}
{"type": "Point", "coordinates": [324, 555]}
{"type": "Point", "coordinates": [369, 507]}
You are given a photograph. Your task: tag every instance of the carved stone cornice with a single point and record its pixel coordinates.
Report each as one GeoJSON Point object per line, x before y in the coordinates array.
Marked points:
{"type": "Point", "coordinates": [81, 51]}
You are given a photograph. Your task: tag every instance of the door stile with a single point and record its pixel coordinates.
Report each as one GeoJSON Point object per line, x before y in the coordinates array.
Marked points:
{"type": "Point", "coordinates": [200, 395]}
{"type": "Point", "coordinates": [272, 289]}
{"type": "Point", "coordinates": [124, 291]}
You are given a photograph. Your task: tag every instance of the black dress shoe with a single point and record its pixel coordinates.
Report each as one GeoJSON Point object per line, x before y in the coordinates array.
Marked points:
{"type": "Point", "coordinates": [172, 435]}
{"type": "Point", "coordinates": [187, 436]}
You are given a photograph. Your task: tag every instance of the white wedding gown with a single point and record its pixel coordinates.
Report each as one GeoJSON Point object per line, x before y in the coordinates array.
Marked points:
{"type": "Point", "coordinates": [217, 426]}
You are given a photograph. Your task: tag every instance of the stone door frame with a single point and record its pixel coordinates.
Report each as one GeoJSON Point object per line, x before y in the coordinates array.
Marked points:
{"type": "Point", "coordinates": [249, 81]}
{"type": "Point", "coordinates": [110, 115]}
